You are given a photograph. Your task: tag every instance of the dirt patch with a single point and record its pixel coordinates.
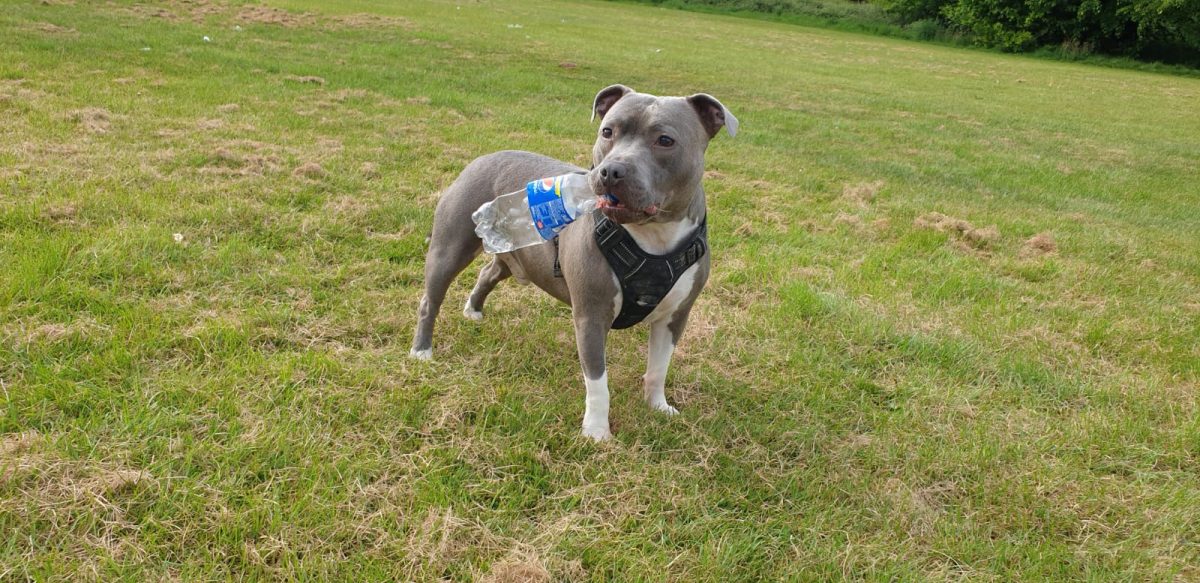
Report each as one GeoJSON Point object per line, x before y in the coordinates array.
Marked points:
{"type": "Point", "coordinates": [310, 79]}
{"type": "Point", "coordinates": [370, 170]}
{"type": "Point", "coordinates": [1039, 244]}
{"type": "Point", "coordinates": [862, 194]}
{"type": "Point", "coordinates": [310, 170]}
{"type": "Point", "coordinates": [965, 234]}
{"type": "Point", "coordinates": [93, 120]}
{"type": "Point", "coordinates": [228, 108]}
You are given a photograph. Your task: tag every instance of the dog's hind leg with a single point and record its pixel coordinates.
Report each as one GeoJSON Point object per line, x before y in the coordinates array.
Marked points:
{"type": "Point", "coordinates": [489, 276]}
{"type": "Point", "coordinates": [450, 251]}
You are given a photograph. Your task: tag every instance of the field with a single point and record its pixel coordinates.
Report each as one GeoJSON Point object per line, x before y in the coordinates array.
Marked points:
{"type": "Point", "coordinates": [952, 333]}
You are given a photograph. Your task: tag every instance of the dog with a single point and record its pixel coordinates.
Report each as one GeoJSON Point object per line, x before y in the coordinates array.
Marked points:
{"type": "Point", "coordinates": [642, 256]}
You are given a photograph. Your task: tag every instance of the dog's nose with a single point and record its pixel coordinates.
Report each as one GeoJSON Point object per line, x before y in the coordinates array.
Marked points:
{"type": "Point", "coordinates": [613, 172]}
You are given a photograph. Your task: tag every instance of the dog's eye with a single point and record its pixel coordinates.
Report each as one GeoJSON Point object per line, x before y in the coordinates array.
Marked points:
{"type": "Point", "coordinates": [666, 141]}
{"type": "Point", "coordinates": [606, 132]}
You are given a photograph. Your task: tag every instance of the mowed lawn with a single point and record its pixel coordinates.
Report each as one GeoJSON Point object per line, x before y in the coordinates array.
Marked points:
{"type": "Point", "coordinates": [952, 332]}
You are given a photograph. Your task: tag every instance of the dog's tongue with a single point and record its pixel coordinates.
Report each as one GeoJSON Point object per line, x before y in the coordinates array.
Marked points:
{"type": "Point", "coordinates": [608, 200]}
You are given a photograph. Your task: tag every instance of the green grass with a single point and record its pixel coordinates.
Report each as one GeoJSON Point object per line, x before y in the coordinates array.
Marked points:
{"type": "Point", "coordinates": [203, 354]}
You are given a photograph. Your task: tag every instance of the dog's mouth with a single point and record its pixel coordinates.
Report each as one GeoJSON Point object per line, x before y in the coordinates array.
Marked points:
{"type": "Point", "coordinates": [616, 211]}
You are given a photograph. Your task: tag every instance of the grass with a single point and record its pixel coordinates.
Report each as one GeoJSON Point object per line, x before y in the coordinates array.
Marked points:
{"type": "Point", "coordinates": [862, 16]}
{"type": "Point", "coordinates": [952, 330]}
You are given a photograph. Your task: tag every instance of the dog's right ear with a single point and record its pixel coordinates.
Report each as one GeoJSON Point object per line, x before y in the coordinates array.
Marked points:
{"type": "Point", "coordinates": [606, 98]}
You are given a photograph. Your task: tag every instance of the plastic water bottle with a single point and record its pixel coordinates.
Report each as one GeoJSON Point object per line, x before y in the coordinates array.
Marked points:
{"type": "Point", "coordinates": [534, 215]}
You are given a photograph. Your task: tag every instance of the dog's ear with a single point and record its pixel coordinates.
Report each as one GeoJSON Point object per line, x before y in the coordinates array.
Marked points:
{"type": "Point", "coordinates": [606, 98]}
{"type": "Point", "coordinates": [713, 115]}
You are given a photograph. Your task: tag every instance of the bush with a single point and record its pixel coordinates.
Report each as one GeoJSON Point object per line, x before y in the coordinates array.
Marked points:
{"type": "Point", "coordinates": [1167, 30]}
{"type": "Point", "coordinates": [924, 29]}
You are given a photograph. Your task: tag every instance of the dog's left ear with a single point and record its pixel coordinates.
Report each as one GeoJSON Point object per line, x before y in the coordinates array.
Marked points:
{"type": "Point", "coordinates": [713, 115]}
{"type": "Point", "coordinates": [606, 98]}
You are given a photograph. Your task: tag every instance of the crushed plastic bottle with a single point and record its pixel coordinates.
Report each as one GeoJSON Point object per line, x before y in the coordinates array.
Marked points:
{"type": "Point", "coordinates": [533, 215]}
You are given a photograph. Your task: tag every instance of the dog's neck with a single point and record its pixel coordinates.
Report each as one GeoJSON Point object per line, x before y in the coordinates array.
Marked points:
{"type": "Point", "coordinates": [665, 236]}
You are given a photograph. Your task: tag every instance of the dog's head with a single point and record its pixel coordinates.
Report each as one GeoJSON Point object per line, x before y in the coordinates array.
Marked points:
{"type": "Point", "coordinates": [649, 152]}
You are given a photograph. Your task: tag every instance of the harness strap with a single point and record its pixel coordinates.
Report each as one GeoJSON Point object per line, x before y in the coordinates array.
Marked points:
{"type": "Point", "coordinates": [645, 278]}
{"type": "Point", "coordinates": [557, 265]}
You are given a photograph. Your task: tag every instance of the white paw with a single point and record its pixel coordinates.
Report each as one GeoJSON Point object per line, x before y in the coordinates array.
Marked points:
{"type": "Point", "coordinates": [597, 433]}
{"type": "Point", "coordinates": [663, 407]}
{"type": "Point", "coordinates": [472, 314]}
{"type": "Point", "coordinates": [426, 354]}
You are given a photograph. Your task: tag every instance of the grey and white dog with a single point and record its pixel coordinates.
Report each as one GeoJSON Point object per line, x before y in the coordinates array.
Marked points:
{"type": "Point", "coordinates": [649, 155]}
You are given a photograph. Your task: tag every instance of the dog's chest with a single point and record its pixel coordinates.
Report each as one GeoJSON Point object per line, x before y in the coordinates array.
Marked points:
{"type": "Point", "coordinates": [660, 239]}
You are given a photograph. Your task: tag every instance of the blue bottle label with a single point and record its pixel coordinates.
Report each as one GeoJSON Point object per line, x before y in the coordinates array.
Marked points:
{"type": "Point", "coordinates": [546, 206]}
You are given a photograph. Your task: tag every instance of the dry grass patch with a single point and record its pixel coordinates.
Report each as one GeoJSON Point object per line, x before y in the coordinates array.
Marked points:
{"type": "Point", "coordinates": [14, 90]}
{"type": "Point", "coordinates": [93, 120]}
{"type": "Point", "coordinates": [24, 332]}
{"type": "Point", "coordinates": [966, 235]}
{"type": "Point", "coordinates": [1039, 244]}
{"type": "Point", "coordinates": [310, 170]}
{"type": "Point", "coordinates": [243, 158]}
{"type": "Point", "coordinates": [62, 213]}
{"type": "Point", "coordinates": [373, 21]}
{"type": "Point", "coordinates": [53, 29]}
{"type": "Point", "coordinates": [206, 124]}
{"type": "Point", "coordinates": [275, 17]}
{"type": "Point", "coordinates": [443, 537]}
{"type": "Point", "coordinates": [55, 489]}
{"type": "Point", "coordinates": [862, 194]}
{"type": "Point", "coordinates": [519, 569]}
{"type": "Point", "coordinates": [310, 79]}
{"type": "Point", "coordinates": [854, 221]}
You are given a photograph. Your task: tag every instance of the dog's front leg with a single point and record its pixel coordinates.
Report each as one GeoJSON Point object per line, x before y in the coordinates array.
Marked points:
{"type": "Point", "coordinates": [590, 337]}
{"type": "Point", "coordinates": [662, 346]}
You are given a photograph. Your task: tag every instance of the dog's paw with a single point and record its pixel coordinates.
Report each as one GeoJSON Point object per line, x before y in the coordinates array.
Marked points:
{"type": "Point", "coordinates": [472, 314]}
{"type": "Point", "coordinates": [597, 434]}
{"type": "Point", "coordinates": [664, 407]}
{"type": "Point", "coordinates": [426, 354]}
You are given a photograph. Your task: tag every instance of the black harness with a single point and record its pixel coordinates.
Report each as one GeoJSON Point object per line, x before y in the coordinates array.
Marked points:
{"type": "Point", "coordinates": [645, 278]}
